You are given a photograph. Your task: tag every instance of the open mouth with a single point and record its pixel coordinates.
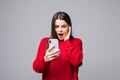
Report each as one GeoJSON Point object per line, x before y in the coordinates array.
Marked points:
{"type": "Point", "coordinates": [60, 34]}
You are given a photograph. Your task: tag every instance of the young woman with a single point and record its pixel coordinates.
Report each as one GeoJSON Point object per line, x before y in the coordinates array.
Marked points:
{"type": "Point", "coordinates": [61, 64]}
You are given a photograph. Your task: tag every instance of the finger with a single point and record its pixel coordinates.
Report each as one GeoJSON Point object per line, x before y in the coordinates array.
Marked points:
{"type": "Point", "coordinates": [50, 59]}
{"type": "Point", "coordinates": [68, 35]}
{"type": "Point", "coordinates": [53, 55]}
{"type": "Point", "coordinates": [69, 29]}
{"type": "Point", "coordinates": [50, 48]}
{"type": "Point", "coordinates": [55, 51]}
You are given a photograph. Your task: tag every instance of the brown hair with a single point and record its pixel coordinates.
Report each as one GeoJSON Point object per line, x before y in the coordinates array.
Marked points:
{"type": "Point", "coordinates": [62, 16]}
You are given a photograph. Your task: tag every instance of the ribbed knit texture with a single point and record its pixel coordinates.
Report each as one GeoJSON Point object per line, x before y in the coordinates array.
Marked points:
{"type": "Point", "coordinates": [65, 67]}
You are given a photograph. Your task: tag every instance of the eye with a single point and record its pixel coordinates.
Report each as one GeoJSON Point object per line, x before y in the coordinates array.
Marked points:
{"type": "Point", "coordinates": [56, 26]}
{"type": "Point", "coordinates": [64, 26]}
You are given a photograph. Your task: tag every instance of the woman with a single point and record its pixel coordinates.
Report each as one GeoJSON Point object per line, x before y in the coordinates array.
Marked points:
{"type": "Point", "coordinates": [63, 63]}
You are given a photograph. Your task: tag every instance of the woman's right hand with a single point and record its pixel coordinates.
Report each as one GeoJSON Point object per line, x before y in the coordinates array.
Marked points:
{"type": "Point", "coordinates": [50, 55]}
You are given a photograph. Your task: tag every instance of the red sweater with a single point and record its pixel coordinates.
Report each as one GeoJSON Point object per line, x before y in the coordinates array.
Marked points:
{"type": "Point", "coordinates": [65, 67]}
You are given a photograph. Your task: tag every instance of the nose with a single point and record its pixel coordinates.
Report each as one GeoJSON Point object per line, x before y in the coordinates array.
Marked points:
{"type": "Point", "coordinates": [60, 29]}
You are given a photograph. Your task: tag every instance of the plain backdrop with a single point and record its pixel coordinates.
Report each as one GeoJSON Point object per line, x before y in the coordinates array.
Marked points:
{"type": "Point", "coordinates": [23, 23]}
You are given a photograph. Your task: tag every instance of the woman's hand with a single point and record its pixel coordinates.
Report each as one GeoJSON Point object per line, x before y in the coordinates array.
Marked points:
{"type": "Point", "coordinates": [68, 35]}
{"type": "Point", "coordinates": [50, 55]}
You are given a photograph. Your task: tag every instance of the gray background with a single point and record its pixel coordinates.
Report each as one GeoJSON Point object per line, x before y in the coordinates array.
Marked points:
{"type": "Point", "coordinates": [24, 22]}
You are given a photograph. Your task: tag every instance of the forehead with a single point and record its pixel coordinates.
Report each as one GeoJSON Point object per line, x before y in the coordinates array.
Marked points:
{"type": "Point", "coordinates": [60, 22]}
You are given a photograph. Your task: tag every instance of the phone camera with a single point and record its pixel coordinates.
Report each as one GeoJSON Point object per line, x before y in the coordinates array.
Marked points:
{"type": "Point", "coordinates": [49, 41]}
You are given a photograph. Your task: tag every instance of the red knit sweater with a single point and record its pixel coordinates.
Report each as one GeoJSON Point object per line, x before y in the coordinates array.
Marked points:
{"type": "Point", "coordinates": [65, 67]}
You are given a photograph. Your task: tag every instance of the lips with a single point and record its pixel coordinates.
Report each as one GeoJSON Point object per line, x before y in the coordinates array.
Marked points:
{"type": "Point", "coordinates": [60, 35]}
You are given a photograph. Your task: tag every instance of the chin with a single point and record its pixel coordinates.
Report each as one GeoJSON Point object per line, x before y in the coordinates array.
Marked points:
{"type": "Point", "coordinates": [61, 39]}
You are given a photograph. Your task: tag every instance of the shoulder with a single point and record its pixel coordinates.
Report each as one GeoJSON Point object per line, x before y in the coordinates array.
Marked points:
{"type": "Point", "coordinates": [76, 40]}
{"type": "Point", "coordinates": [44, 40]}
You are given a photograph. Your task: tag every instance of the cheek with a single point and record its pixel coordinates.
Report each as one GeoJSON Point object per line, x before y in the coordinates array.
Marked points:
{"type": "Point", "coordinates": [56, 30]}
{"type": "Point", "coordinates": [66, 31]}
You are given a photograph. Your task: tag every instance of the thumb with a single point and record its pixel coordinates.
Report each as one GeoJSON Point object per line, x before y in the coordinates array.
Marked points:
{"type": "Point", "coordinates": [50, 48]}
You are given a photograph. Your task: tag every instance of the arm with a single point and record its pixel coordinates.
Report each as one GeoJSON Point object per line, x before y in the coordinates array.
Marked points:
{"type": "Point", "coordinates": [39, 64]}
{"type": "Point", "coordinates": [72, 52]}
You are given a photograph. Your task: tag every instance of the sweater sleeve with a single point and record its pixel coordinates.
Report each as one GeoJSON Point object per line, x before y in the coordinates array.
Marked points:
{"type": "Point", "coordinates": [73, 52]}
{"type": "Point", "coordinates": [39, 64]}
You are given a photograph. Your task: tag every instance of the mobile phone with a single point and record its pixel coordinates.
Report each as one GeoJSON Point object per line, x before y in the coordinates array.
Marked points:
{"type": "Point", "coordinates": [54, 42]}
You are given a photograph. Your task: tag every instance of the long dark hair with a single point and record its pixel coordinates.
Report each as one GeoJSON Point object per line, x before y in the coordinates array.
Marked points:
{"type": "Point", "coordinates": [62, 16]}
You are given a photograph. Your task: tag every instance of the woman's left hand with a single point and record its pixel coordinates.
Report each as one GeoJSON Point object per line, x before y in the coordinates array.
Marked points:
{"type": "Point", "coordinates": [68, 35]}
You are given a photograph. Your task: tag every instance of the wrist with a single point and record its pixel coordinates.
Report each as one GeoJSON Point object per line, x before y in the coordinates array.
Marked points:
{"type": "Point", "coordinates": [66, 39]}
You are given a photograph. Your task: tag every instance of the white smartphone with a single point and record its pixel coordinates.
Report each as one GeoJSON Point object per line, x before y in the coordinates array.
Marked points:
{"type": "Point", "coordinates": [54, 42]}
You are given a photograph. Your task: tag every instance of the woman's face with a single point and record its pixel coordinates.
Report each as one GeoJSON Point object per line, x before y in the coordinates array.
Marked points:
{"type": "Point", "coordinates": [61, 28]}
